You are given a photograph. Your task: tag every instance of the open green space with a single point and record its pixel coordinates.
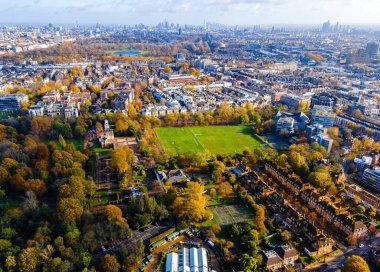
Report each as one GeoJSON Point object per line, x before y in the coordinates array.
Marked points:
{"type": "Point", "coordinates": [231, 214]}
{"type": "Point", "coordinates": [78, 143]}
{"type": "Point", "coordinates": [128, 52]}
{"type": "Point", "coordinates": [216, 139]}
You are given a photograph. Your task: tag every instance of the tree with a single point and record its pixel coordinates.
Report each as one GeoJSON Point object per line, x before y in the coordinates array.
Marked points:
{"type": "Point", "coordinates": [114, 214]}
{"type": "Point", "coordinates": [355, 263]}
{"type": "Point", "coordinates": [286, 235]}
{"type": "Point", "coordinates": [260, 219]}
{"type": "Point", "coordinates": [357, 113]}
{"type": "Point", "coordinates": [121, 159]}
{"type": "Point", "coordinates": [225, 189]}
{"type": "Point", "coordinates": [212, 192]}
{"type": "Point", "coordinates": [109, 264]}
{"type": "Point", "coordinates": [244, 118]}
{"type": "Point", "coordinates": [11, 263]}
{"type": "Point", "coordinates": [5, 245]}
{"type": "Point", "coordinates": [35, 185]}
{"type": "Point", "coordinates": [61, 141]}
{"type": "Point", "coordinates": [321, 178]}
{"type": "Point", "coordinates": [168, 69]}
{"type": "Point", "coordinates": [218, 169]}
{"type": "Point", "coordinates": [125, 181]}
{"type": "Point", "coordinates": [3, 174]}
{"type": "Point", "coordinates": [69, 210]}
{"type": "Point", "coordinates": [121, 126]}
{"type": "Point", "coordinates": [74, 88]}
{"type": "Point", "coordinates": [248, 263]}
{"type": "Point", "coordinates": [131, 111]}
{"type": "Point", "coordinates": [28, 259]}
{"type": "Point", "coordinates": [192, 205]}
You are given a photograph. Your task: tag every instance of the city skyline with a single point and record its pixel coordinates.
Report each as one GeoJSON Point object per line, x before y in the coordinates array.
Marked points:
{"type": "Point", "coordinates": [240, 12]}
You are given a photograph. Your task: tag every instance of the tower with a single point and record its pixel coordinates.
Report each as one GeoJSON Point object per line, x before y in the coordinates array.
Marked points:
{"type": "Point", "coordinates": [106, 125]}
{"type": "Point", "coordinates": [362, 82]}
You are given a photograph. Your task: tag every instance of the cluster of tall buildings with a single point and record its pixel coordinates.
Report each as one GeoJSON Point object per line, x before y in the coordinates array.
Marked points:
{"type": "Point", "coordinates": [327, 27]}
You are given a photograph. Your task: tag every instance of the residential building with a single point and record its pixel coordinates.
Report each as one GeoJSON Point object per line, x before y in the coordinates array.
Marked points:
{"type": "Point", "coordinates": [294, 101]}
{"type": "Point", "coordinates": [282, 256]}
{"type": "Point", "coordinates": [323, 140]}
{"type": "Point", "coordinates": [323, 115]}
{"type": "Point", "coordinates": [53, 104]}
{"type": "Point", "coordinates": [271, 260]}
{"type": "Point", "coordinates": [53, 109]}
{"type": "Point", "coordinates": [52, 96]}
{"type": "Point", "coordinates": [363, 163]}
{"type": "Point", "coordinates": [123, 99]}
{"type": "Point", "coordinates": [371, 177]}
{"type": "Point", "coordinates": [287, 123]}
{"type": "Point", "coordinates": [288, 254]}
{"type": "Point", "coordinates": [314, 129]}
{"type": "Point", "coordinates": [321, 245]}
{"type": "Point", "coordinates": [11, 102]}
{"type": "Point", "coordinates": [354, 230]}
{"type": "Point", "coordinates": [323, 99]}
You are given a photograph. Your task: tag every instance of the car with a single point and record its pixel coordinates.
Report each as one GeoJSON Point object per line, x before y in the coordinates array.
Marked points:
{"type": "Point", "coordinates": [361, 245]}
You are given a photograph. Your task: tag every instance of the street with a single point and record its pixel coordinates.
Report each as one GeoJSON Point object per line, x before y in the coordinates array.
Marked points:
{"type": "Point", "coordinates": [336, 262]}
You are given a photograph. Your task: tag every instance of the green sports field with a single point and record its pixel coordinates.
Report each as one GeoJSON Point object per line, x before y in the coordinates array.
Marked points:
{"type": "Point", "coordinates": [216, 139]}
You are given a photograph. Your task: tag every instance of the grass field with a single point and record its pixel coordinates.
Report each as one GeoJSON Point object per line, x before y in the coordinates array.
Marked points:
{"type": "Point", "coordinates": [230, 214]}
{"type": "Point", "coordinates": [216, 139]}
{"type": "Point", "coordinates": [78, 143]}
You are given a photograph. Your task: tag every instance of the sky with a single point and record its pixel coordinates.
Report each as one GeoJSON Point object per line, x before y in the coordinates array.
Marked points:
{"type": "Point", "coordinates": [194, 12]}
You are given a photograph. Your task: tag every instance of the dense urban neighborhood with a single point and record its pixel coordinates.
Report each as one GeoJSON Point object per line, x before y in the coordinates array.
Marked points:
{"type": "Point", "coordinates": [189, 148]}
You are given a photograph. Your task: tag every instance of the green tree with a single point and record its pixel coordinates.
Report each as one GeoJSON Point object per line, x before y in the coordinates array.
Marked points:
{"type": "Point", "coordinates": [248, 263]}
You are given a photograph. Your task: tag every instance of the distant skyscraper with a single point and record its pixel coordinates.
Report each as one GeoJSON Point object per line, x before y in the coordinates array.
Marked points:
{"type": "Point", "coordinates": [336, 27]}
{"type": "Point", "coordinates": [326, 27]}
{"type": "Point", "coordinates": [205, 24]}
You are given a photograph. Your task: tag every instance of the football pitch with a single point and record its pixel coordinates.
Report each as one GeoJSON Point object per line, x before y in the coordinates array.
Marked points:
{"type": "Point", "coordinates": [216, 139]}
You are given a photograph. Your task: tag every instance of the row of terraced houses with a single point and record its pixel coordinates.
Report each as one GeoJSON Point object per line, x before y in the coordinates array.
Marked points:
{"type": "Point", "coordinates": [354, 230]}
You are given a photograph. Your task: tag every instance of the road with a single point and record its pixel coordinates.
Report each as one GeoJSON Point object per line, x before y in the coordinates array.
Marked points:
{"type": "Point", "coordinates": [335, 262]}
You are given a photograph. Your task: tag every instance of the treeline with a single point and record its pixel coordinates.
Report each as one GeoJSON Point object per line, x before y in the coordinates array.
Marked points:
{"type": "Point", "coordinates": [85, 50]}
{"type": "Point", "coordinates": [46, 193]}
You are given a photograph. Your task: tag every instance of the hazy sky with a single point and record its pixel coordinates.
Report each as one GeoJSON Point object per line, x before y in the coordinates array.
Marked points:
{"type": "Point", "coordinates": [232, 12]}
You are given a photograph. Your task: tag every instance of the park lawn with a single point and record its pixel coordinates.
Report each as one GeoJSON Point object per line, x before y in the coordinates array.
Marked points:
{"type": "Point", "coordinates": [216, 139]}
{"type": "Point", "coordinates": [126, 50]}
{"type": "Point", "coordinates": [101, 150]}
{"type": "Point", "coordinates": [78, 143]}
